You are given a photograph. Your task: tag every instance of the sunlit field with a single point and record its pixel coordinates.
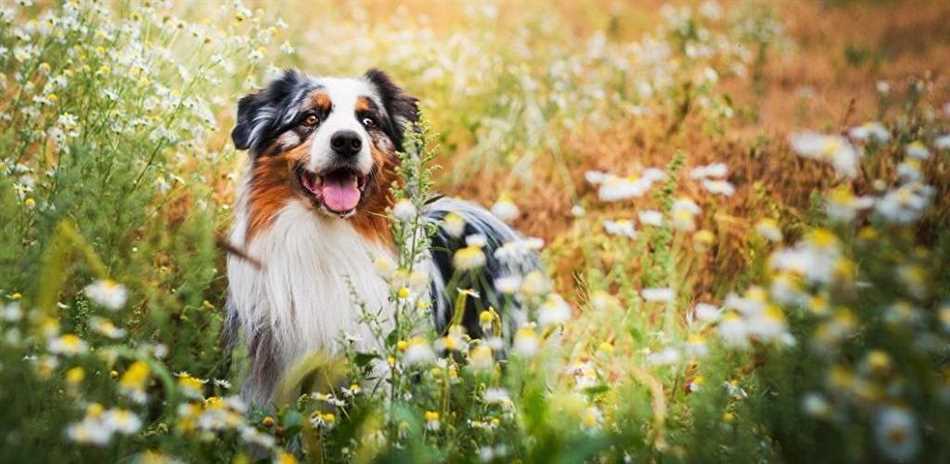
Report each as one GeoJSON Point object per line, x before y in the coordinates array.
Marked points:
{"type": "Point", "coordinates": [742, 209]}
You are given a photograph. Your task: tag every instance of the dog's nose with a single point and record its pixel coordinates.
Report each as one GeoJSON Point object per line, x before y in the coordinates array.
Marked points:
{"type": "Point", "coordinates": [346, 142]}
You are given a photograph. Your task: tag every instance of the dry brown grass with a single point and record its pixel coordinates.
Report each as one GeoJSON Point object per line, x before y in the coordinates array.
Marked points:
{"type": "Point", "coordinates": [811, 86]}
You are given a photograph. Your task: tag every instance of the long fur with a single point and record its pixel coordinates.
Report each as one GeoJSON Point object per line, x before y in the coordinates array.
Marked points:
{"type": "Point", "coordinates": [292, 287]}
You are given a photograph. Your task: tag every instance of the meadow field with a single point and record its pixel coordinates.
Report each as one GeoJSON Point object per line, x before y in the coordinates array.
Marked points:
{"type": "Point", "coordinates": [742, 208]}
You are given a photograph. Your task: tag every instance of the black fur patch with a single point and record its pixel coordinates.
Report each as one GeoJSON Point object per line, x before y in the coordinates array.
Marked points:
{"type": "Point", "coordinates": [401, 107]}
{"type": "Point", "coordinates": [262, 116]}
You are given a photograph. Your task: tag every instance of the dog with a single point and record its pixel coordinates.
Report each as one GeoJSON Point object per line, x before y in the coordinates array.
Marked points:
{"type": "Point", "coordinates": [311, 220]}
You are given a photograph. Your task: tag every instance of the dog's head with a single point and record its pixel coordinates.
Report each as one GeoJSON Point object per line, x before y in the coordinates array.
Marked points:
{"type": "Point", "coordinates": [330, 142]}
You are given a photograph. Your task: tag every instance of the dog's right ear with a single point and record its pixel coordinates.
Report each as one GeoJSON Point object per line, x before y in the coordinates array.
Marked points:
{"type": "Point", "coordinates": [261, 114]}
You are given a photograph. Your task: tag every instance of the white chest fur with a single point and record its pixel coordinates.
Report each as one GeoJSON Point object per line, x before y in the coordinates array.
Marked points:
{"type": "Point", "coordinates": [303, 293]}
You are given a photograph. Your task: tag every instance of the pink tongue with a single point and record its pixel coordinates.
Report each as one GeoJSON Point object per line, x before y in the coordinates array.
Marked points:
{"type": "Point", "coordinates": [340, 194]}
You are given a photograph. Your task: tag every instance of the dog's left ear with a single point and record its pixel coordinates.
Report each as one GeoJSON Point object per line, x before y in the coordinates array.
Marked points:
{"type": "Point", "coordinates": [401, 107]}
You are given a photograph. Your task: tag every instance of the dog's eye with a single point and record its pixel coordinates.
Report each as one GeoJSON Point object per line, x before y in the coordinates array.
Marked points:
{"type": "Point", "coordinates": [311, 120]}
{"type": "Point", "coordinates": [368, 122]}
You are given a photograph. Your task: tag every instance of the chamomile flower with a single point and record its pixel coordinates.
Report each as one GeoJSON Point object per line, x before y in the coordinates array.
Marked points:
{"type": "Point", "coordinates": [842, 205]}
{"type": "Point", "coordinates": [709, 170]}
{"type": "Point", "coordinates": [469, 258]}
{"type": "Point", "coordinates": [873, 131]}
{"type": "Point", "coordinates": [405, 211]}
{"type": "Point", "coordinates": [554, 311]}
{"type": "Point", "coordinates": [527, 343]}
{"type": "Point", "coordinates": [68, 344]}
{"type": "Point", "coordinates": [662, 295]}
{"type": "Point", "coordinates": [895, 430]}
{"type": "Point", "coordinates": [906, 203]}
{"type": "Point", "coordinates": [769, 230]}
{"type": "Point", "coordinates": [719, 187]}
{"type": "Point", "coordinates": [508, 284]}
{"type": "Point", "coordinates": [651, 217]}
{"type": "Point", "coordinates": [481, 358]}
{"type": "Point", "coordinates": [432, 422]}
{"type": "Point", "coordinates": [107, 293]}
{"type": "Point", "coordinates": [832, 149]}
{"type": "Point", "coordinates": [105, 327]}
{"type": "Point", "coordinates": [418, 351]}
{"type": "Point", "coordinates": [122, 421]}
{"type": "Point", "coordinates": [505, 209]}
{"type": "Point", "coordinates": [454, 225]}
{"type": "Point", "coordinates": [942, 142]}
{"type": "Point", "coordinates": [917, 150]}
{"type": "Point", "coordinates": [815, 405]}
{"type": "Point", "coordinates": [621, 227]}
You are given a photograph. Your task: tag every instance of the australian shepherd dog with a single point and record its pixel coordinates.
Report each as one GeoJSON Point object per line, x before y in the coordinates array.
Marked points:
{"type": "Point", "coordinates": [311, 219]}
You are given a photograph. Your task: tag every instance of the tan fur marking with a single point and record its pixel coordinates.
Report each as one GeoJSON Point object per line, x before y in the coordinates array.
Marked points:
{"type": "Point", "coordinates": [272, 186]}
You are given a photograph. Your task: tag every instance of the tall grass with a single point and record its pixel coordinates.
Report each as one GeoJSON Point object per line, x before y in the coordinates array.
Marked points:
{"type": "Point", "coordinates": [709, 298]}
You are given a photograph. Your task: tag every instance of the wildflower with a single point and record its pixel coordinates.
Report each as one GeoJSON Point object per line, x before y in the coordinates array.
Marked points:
{"type": "Point", "coordinates": [284, 457]}
{"type": "Point", "coordinates": [696, 346]}
{"type": "Point", "coordinates": [535, 283]}
{"type": "Point", "coordinates": [942, 142]}
{"type": "Point", "coordinates": [526, 342]}
{"type": "Point", "coordinates": [870, 131]}
{"type": "Point", "coordinates": [11, 312]}
{"type": "Point", "coordinates": [622, 227]}
{"type": "Point", "coordinates": [505, 209]}
{"type": "Point", "coordinates": [768, 325]}
{"type": "Point", "coordinates": [917, 150]}
{"type": "Point", "coordinates": [107, 293]}
{"type": "Point", "coordinates": [877, 362]}
{"type": "Point", "coordinates": [404, 210]}
{"type": "Point", "coordinates": [75, 375]}
{"type": "Point", "coordinates": [733, 331]}
{"type": "Point", "coordinates": [418, 351]}
{"type": "Point", "coordinates": [508, 284]}
{"type": "Point", "coordinates": [706, 312]}
{"type": "Point", "coordinates": [895, 430]}
{"type": "Point", "coordinates": [657, 294]}
{"type": "Point", "coordinates": [683, 214]}
{"type": "Point", "coordinates": [454, 340]}
{"type": "Point", "coordinates": [89, 431]}
{"type": "Point", "coordinates": [252, 436]}
{"type": "Point", "coordinates": [666, 357]}
{"type": "Point", "coordinates": [914, 277]}
{"type": "Point", "coordinates": [68, 344]}
{"type": "Point", "coordinates": [815, 405]}
{"type": "Point", "coordinates": [829, 148]}
{"type": "Point", "coordinates": [323, 420]}
{"type": "Point", "coordinates": [469, 258]}
{"type": "Point", "coordinates": [614, 188]}
{"type": "Point", "coordinates": [719, 187]}
{"type": "Point", "coordinates": [710, 170]}
{"type": "Point", "coordinates": [909, 170]}
{"type": "Point", "coordinates": [122, 421]}
{"type": "Point", "coordinates": [519, 251]}
{"type": "Point", "coordinates": [577, 211]}
{"type": "Point", "coordinates": [454, 225]}
{"type": "Point", "coordinates": [592, 417]}
{"type": "Point", "coordinates": [432, 420]}
{"type": "Point", "coordinates": [841, 205]}
{"type": "Point", "coordinates": [190, 386]}
{"type": "Point", "coordinates": [481, 358]}
{"type": "Point", "coordinates": [132, 383]}
{"type": "Point", "coordinates": [554, 311]}
{"type": "Point", "coordinates": [702, 240]}
{"type": "Point", "coordinates": [105, 327]}
{"type": "Point", "coordinates": [905, 204]}
{"type": "Point", "coordinates": [485, 320]}
{"type": "Point", "coordinates": [651, 217]}
{"type": "Point", "coordinates": [497, 396]}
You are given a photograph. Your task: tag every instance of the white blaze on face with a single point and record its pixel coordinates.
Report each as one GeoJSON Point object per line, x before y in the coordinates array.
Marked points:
{"type": "Point", "coordinates": [343, 95]}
